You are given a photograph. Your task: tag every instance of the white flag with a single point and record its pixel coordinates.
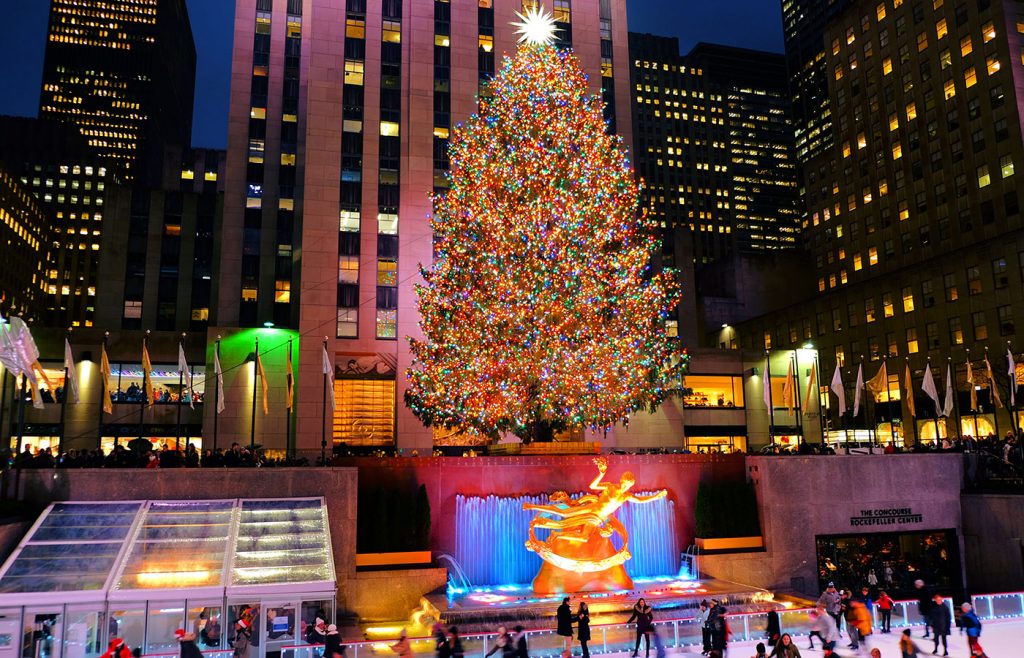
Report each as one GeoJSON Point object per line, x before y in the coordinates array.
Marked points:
{"type": "Point", "coordinates": [71, 381]}
{"type": "Point", "coordinates": [838, 388]}
{"type": "Point", "coordinates": [329, 370]}
{"type": "Point", "coordinates": [1012, 372]}
{"type": "Point", "coordinates": [947, 407]}
{"type": "Point", "coordinates": [187, 373]}
{"type": "Point", "coordinates": [859, 385]}
{"type": "Point", "coordinates": [928, 388]}
{"type": "Point", "coordinates": [220, 381]}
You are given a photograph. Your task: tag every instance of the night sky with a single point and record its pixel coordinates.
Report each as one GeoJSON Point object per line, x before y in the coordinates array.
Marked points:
{"type": "Point", "coordinates": [748, 23]}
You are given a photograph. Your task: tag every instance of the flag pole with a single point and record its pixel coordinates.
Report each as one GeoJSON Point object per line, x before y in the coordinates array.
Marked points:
{"type": "Point", "coordinates": [145, 393]}
{"type": "Point", "coordinates": [799, 408]}
{"type": "Point", "coordinates": [846, 427]}
{"type": "Point", "coordinates": [910, 392]}
{"type": "Point", "coordinates": [216, 393]}
{"type": "Point", "coordinates": [323, 419]}
{"type": "Point", "coordinates": [771, 400]}
{"type": "Point", "coordinates": [817, 392]}
{"type": "Point", "coordinates": [99, 416]}
{"type": "Point", "coordinates": [888, 403]}
{"type": "Point", "coordinates": [21, 411]}
{"type": "Point", "coordinates": [288, 410]}
{"type": "Point", "coordinates": [181, 396]}
{"type": "Point", "coordinates": [992, 392]}
{"type": "Point", "coordinates": [938, 438]}
{"type": "Point", "coordinates": [1014, 416]}
{"type": "Point", "coordinates": [255, 382]}
{"type": "Point", "coordinates": [64, 402]}
{"type": "Point", "coordinates": [3, 406]}
{"type": "Point", "coordinates": [956, 404]}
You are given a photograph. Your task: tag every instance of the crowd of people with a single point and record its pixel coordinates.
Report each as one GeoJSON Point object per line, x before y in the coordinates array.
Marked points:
{"type": "Point", "coordinates": [142, 453]}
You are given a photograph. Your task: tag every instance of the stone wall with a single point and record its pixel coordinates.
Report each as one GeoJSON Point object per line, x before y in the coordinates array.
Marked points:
{"type": "Point", "coordinates": [336, 485]}
{"type": "Point", "coordinates": [393, 595]}
{"type": "Point", "coordinates": [801, 497]}
{"type": "Point", "coordinates": [994, 541]}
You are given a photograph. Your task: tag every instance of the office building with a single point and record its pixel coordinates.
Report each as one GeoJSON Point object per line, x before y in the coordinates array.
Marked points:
{"type": "Point", "coordinates": [123, 71]}
{"type": "Point", "coordinates": [24, 231]}
{"type": "Point", "coordinates": [339, 123]}
{"type": "Point", "coordinates": [915, 224]}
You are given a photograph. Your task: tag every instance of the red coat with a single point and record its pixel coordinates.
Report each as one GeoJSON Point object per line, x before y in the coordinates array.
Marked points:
{"type": "Point", "coordinates": [119, 651]}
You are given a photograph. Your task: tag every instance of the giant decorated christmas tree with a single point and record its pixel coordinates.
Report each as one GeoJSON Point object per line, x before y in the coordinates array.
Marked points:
{"type": "Point", "coordinates": [541, 311]}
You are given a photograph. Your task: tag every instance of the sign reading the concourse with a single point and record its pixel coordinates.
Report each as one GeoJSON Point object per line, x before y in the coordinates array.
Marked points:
{"type": "Point", "coordinates": [886, 516]}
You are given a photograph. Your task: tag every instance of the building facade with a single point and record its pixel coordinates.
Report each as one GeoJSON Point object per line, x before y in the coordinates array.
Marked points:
{"type": "Point", "coordinates": [24, 231]}
{"type": "Point", "coordinates": [123, 71]}
{"type": "Point", "coordinates": [339, 123]}
{"type": "Point", "coordinates": [915, 226]}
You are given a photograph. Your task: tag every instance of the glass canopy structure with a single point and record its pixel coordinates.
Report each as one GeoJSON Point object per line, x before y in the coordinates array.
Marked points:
{"type": "Point", "coordinates": [139, 570]}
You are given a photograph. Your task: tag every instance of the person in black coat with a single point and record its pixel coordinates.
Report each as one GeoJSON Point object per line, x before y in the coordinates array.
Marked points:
{"type": "Point", "coordinates": [564, 616]}
{"type": "Point", "coordinates": [941, 621]}
{"type": "Point", "coordinates": [582, 618]}
{"type": "Point", "coordinates": [924, 604]}
{"type": "Point", "coordinates": [643, 615]}
{"type": "Point", "coordinates": [774, 630]}
{"type": "Point", "coordinates": [519, 637]}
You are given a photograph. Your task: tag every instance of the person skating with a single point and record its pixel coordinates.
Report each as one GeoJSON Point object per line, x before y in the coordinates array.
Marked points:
{"type": "Point", "coordinates": [859, 624]}
{"type": "Point", "coordinates": [831, 601]}
{"type": "Point", "coordinates": [117, 649]}
{"type": "Point", "coordinates": [908, 649]}
{"type": "Point", "coordinates": [564, 630]}
{"type": "Point", "coordinates": [241, 644]}
{"type": "Point", "coordinates": [941, 621]}
{"type": "Point", "coordinates": [924, 604]}
{"type": "Point", "coordinates": [187, 644]}
{"type": "Point", "coordinates": [719, 630]}
{"type": "Point", "coordinates": [583, 627]}
{"type": "Point", "coordinates": [774, 629]}
{"type": "Point", "coordinates": [503, 644]}
{"type": "Point", "coordinates": [824, 627]}
{"type": "Point", "coordinates": [885, 604]}
{"type": "Point", "coordinates": [455, 643]}
{"type": "Point", "coordinates": [643, 615]}
{"type": "Point", "coordinates": [402, 647]}
{"type": "Point", "coordinates": [785, 648]}
{"type": "Point", "coordinates": [519, 637]}
{"type": "Point", "coordinates": [705, 631]}
{"type": "Point", "coordinates": [972, 626]}
{"type": "Point", "coordinates": [333, 648]}
{"type": "Point", "coordinates": [760, 651]}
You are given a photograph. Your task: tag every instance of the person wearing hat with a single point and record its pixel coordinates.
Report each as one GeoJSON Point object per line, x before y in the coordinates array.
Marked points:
{"type": "Point", "coordinates": [832, 602]}
{"type": "Point", "coordinates": [242, 642]}
{"type": "Point", "coordinates": [187, 644]}
{"type": "Point", "coordinates": [117, 649]}
{"type": "Point", "coordinates": [332, 644]}
{"type": "Point", "coordinates": [972, 625]}
{"type": "Point", "coordinates": [705, 630]}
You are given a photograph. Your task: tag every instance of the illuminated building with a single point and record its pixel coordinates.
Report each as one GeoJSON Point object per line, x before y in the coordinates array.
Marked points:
{"type": "Point", "coordinates": [338, 128]}
{"type": "Point", "coordinates": [714, 146]}
{"type": "Point", "coordinates": [73, 186]}
{"type": "Point", "coordinates": [914, 220]}
{"type": "Point", "coordinates": [159, 248]}
{"type": "Point", "coordinates": [123, 71]}
{"type": "Point", "coordinates": [24, 227]}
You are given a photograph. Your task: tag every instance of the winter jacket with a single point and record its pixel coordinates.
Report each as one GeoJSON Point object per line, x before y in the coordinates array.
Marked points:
{"type": "Point", "coordinates": [969, 620]}
{"type": "Point", "coordinates": [402, 648]}
{"type": "Point", "coordinates": [564, 616]}
{"type": "Point", "coordinates": [826, 628]}
{"type": "Point", "coordinates": [189, 649]}
{"type": "Point", "coordinates": [241, 644]}
{"type": "Point", "coordinates": [774, 629]}
{"type": "Point", "coordinates": [831, 601]}
{"type": "Point", "coordinates": [117, 649]}
{"type": "Point", "coordinates": [792, 651]}
{"type": "Point", "coordinates": [644, 618]}
{"type": "Point", "coordinates": [907, 647]}
{"type": "Point", "coordinates": [941, 619]}
{"type": "Point", "coordinates": [859, 616]}
{"type": "Point", "coordinates": [884, 602]}
{"type": "Point", "coordinates": [583, 627]}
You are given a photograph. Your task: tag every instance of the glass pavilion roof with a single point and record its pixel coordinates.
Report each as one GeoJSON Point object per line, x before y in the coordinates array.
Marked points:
{"type": "Point", "coordinates": [92, 551]}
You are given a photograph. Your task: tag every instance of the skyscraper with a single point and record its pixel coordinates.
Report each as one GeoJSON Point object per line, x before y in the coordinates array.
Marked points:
{"type": "Point", "coordinates": [338, 131]}
{"type": "Point", "coordinates": [123, 71]}
{"type": "Point", "coordinates": [915, 225]}
{"type": "Point", "coordinates": [24, 228]}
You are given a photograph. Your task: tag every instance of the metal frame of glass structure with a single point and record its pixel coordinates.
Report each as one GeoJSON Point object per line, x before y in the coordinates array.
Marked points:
{"type": "Point", "coordinates": [89, 571]}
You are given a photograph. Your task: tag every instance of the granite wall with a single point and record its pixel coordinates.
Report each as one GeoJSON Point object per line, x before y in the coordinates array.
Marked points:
{"type": "Point", "coordinates": [994, 541]}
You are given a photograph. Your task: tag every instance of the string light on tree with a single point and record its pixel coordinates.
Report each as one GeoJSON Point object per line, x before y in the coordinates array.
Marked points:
{"type": "Point", "coordinates": [541, 311]}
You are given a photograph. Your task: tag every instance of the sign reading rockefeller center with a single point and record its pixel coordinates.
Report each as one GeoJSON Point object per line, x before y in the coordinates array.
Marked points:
{"type": "Point", "coordinates": [886, 516]}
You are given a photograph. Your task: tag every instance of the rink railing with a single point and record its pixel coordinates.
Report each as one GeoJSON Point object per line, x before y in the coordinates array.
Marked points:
{"type": "Point", "coordinates": [678, 632]}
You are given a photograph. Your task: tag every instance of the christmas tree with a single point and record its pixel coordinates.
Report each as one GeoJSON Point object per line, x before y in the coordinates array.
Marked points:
{"type": "Point", "coordinates": [541, 310]}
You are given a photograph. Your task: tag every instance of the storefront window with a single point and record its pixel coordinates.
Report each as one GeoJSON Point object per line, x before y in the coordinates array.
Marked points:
{"type": "Point", "coordinates": [83, 633]}
{"type": "Point", "coordinates": [127, 382]}
{"type": "Point", "coordinates": [717, 391]}
{"type": "Point", "coordinates": [107, 442]}
{"type": "Point", "coordinates": [128, 623]}
{"type": "Point", "coordinates": [716, 444]}
{"type": "Point", "coordinates": [204, 622]}
{"type": "Point", "coordinates": [164, 619]}
{"type": "Point", "coordinates": [42, 634]}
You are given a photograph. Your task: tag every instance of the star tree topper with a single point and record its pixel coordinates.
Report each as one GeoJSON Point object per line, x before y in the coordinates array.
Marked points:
{"type": "Point", "coordinates": [536, 27]}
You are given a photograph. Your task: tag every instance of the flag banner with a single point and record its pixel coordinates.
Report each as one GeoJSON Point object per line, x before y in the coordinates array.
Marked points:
{"type": "Point", "coordinates": [789, 389]}
{"type": "Point", "coordinates": [812, 389]}
{"type": "Point", "coordinates": [1012, 372]}
{"type": "Point", "coordinates": [108, 404]}
{"type": "Point", "coordinates": [974, 389]}
{"type": "Point", "coordinates": [290, 381]}
{"type": "Point", "coordinates": [221, 404]}
{"type": "Point", "coordinates": [908, 385]}
{"type": "Point", "coordinates": [71, 381]}
{"type": "Point", "coordinates": [838, 388]}
{"type": "Point", "coordinates": [187, 374]}
{"type": "Point", "coordinates": [992, 384]}
{"type": "Point", "coordinates": [263, 377]}
{"type": "Point", "coordinates": [880, 382]}
{"type": "Point", "coordinates": [18, 353]}
{"type": "Point", "coordinates": [947, 405]}
{"type": "Point", "coordinates": [766, 386]}
{"type": "Point", "coordinates": [328, 367]}
{"type": "Point", "coordinates": [928, 388]}
{"type": "Point", "coordinates": [859, 386]}
{"type": "Point", "coordinates": [147, 374]}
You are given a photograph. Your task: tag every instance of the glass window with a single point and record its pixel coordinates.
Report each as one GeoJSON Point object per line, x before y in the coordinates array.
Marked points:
{"type": "Point", "coordinates": [1006, 323]}
{"type": "Point", "coordinates": [908, 299]}
{"type": "Point", "coordinates": [348, 269]}
{"type": "Point", "coordinates": [164, 618]}
{"type": "Point", "coordinates": [887, 307]}
{"type": "Point", "coordinates": [1006, 166]}
{"type": "Point", "coordinates": [348, 322]}
{"type": "Point", "coordinates": [205, 622]}
{"type": "Point", "coordinates": [128, 623]}
{"type": "Point", "coordinates": [956, 331]}
{"type": "Point", "coordinates": [83, 632]}
{"type": "Point", "coordinates": [983, 176]}
{"type": "Point", "coordinates": [364, 412]}
{"type": "Point", "coordinates": [912, 340]}
{"type": "Point", "coordinates": [715, 391]}
{"type": "Point", "coordinates": [973, 281]}
{"type": "Point", "coordinates": [980, 328]}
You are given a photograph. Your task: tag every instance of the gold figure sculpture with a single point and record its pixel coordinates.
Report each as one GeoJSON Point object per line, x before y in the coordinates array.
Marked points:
{"type": "Point", "coordinates": [578, 553]}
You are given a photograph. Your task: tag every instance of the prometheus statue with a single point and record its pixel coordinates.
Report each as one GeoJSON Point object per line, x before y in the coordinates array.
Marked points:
{"type": "Point", "coordinates": [578, 553]}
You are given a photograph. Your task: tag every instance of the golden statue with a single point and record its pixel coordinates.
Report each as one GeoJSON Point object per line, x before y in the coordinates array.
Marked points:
{"type": "Point", "coordinates": [578, 554]}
